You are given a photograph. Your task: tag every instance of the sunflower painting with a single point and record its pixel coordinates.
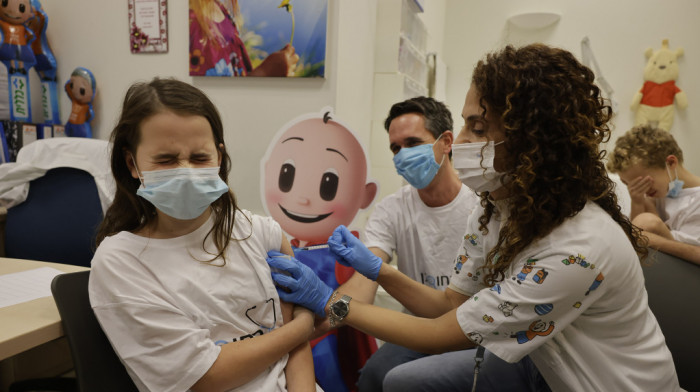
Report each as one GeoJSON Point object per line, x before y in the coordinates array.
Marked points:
{"type": "Point", "coordinates": [283, 38]}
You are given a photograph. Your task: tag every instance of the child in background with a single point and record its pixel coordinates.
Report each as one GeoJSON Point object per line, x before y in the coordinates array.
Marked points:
{"type": "Point", "coordinates": [665, 195]}
{"type": "Point", "coordinates": [179, 281]}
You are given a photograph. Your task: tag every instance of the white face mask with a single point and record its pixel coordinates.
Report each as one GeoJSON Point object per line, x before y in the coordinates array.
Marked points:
{"type": "Point", "coordinates": [475, 172]}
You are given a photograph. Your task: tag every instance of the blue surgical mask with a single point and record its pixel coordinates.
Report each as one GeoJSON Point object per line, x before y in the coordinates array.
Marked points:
{"type": "Point", "coordinates": [182, 193]}
{"type": "Point", "coordinates": [417, 164]}
{"type": "Point", "coordinates": [675, 186]}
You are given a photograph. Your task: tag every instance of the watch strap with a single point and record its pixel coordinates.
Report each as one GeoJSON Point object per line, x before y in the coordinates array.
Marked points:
{"type": "Point", "coordinates": [331, 317]}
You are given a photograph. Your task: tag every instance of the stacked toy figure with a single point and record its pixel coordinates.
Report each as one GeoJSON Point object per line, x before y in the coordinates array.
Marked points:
{"type": "Point", "coordinates": [81, 90]}
{"type": "Point", "coordinates": [16, 53]}
{"type": "Point", "coordinates": [23, 46]}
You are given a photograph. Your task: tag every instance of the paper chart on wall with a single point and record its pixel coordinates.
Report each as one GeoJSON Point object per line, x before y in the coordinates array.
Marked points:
{"type": "Point", "coordinates": [25, 286]}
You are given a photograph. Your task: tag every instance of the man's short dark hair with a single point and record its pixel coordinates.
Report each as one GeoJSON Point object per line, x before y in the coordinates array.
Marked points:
{"type": "Point", "coordinates": [437, 117]}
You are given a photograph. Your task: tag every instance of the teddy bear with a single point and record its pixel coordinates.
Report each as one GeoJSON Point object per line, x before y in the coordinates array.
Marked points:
{"type": "Point", "coordinates": [653, 103]}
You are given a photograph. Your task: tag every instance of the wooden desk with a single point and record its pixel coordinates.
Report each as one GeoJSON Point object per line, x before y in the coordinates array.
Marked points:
{"type": "Point", "coordinates": [33, 323]}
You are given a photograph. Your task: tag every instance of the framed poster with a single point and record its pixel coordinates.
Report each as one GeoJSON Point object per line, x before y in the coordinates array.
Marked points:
{"type": "Point", "coordinates": [281, 38]}
{"type": "Point", "coordinates": [148, 26]}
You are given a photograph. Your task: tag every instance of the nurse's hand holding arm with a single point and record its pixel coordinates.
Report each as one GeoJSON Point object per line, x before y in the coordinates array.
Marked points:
{"type": "Point", "coordinates": [428, 335]}
{"type": "Point", "coordinates": [301, 285]}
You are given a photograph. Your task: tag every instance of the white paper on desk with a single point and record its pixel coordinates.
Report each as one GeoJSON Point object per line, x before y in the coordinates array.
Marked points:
{"type": "Point", "coordinates": [27, 285]}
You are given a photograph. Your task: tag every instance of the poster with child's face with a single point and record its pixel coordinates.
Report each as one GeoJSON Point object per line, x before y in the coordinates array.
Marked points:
{"type": "Point", "coordinates": [277, 38]}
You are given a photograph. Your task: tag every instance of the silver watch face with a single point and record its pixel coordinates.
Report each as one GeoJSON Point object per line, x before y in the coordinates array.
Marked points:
{"type": "Point", "coordinates": [340, 309]}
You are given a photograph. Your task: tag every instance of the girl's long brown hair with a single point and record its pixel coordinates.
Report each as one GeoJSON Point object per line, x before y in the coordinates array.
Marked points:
{"type": "Point", "coordinates": [555, 120]}
{"type": "Point", "coordinates": [130, 212]}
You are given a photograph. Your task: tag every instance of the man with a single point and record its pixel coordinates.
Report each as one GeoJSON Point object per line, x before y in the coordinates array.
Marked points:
{"type": "Point", "coordinates": [423, 222]}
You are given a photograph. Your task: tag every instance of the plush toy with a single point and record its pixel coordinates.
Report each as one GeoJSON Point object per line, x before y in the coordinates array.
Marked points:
{"type": "Point", "coordinates": [654, 102]}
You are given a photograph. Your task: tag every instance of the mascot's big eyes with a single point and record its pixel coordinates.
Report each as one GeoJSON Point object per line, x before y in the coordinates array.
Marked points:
{"type": "Point", "coordinates": [329, 185]}
{"type": "Point", "coordinates": [4, 3]}
{"type": "Point", "coordinates": [286, 179]}
{"type": "Point", "coordinates": [22, 8]}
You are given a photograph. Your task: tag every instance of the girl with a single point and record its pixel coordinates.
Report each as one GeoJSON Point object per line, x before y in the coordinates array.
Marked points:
{"type": "Point", "coordinates": [179, 281]}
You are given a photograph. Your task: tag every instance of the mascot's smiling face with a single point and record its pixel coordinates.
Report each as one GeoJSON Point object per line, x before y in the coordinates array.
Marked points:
{"type": "Point", "coordinates": [315, 179]}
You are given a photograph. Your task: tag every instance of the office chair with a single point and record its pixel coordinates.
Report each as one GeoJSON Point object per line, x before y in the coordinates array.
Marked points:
{"type": "Point", "coordinates": [97, 366]}
{"type": "Point", "coordinates": [673, 286]}
{"type": "Point", "coordinates": [58, 220]}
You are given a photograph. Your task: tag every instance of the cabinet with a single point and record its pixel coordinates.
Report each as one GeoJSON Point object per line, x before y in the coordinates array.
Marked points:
{"type": "Point", "coordinates": [400, 72]}
{"type": "Point", "coordinates": [400, 51]}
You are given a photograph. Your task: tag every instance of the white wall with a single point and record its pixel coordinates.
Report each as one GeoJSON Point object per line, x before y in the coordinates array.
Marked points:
{"type": "Point", "coordinates": [355, 77]}
{"type": "Point", "coordinates": [619, 31]}
{"type": "Point", "coordinates": [94, 34]}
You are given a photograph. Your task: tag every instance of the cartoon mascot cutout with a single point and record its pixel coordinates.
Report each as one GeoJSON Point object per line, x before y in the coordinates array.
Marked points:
{"type": "Point", "coordinates": [314, 178]}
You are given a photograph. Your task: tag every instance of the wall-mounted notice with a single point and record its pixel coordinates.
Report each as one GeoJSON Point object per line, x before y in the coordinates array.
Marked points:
{"type": "Point", "coordinates": [148, 26]}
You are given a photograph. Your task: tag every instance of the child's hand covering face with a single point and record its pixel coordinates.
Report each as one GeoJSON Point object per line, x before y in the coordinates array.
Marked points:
{"type": "Point", "coordinates": [639, 187]}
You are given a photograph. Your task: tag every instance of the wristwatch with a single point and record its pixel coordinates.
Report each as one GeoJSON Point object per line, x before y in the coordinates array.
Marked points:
{"type": "Point", "coordinates": [339, 309]}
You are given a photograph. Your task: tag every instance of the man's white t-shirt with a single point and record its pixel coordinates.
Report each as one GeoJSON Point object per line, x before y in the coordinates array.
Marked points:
{"type": "Point", "coordinates": [682, 215]}
{"type": "Point", "coordinates": [166, 313]}
{"type": "Point", "coordinates": [424, 238]}
{"type": "Point", "coordinates": [574, 301]}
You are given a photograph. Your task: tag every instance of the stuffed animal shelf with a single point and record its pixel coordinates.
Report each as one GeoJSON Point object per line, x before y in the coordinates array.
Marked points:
{"type": "Point", "coordinates": [654, 102]}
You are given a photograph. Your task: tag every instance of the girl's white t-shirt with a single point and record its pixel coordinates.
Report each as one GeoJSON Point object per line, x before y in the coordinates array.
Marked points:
{"type": "Point", "coordinates": [167, 311]}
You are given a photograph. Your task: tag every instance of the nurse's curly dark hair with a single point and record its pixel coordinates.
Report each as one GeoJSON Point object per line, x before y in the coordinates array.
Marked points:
{"type": "Point", "coordinates": [555, 120]}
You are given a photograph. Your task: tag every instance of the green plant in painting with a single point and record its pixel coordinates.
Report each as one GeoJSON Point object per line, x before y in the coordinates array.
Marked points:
{"type": "Point", "coordinates": [288, 6]}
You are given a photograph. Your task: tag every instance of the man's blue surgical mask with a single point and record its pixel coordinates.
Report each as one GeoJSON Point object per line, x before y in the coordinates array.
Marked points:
{"type": "Point", "coordinates": [182, 193]}
{"type": "Point", "coordinates": [417, 164]}
{"type": "Point", "coordinates": [675, 186]}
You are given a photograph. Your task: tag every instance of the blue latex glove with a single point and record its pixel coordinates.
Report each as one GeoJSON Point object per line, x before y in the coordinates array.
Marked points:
{"type": "Point", "coordinates": [300, 285]}
{"type": "Point", "coordinates": [350, 251]}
